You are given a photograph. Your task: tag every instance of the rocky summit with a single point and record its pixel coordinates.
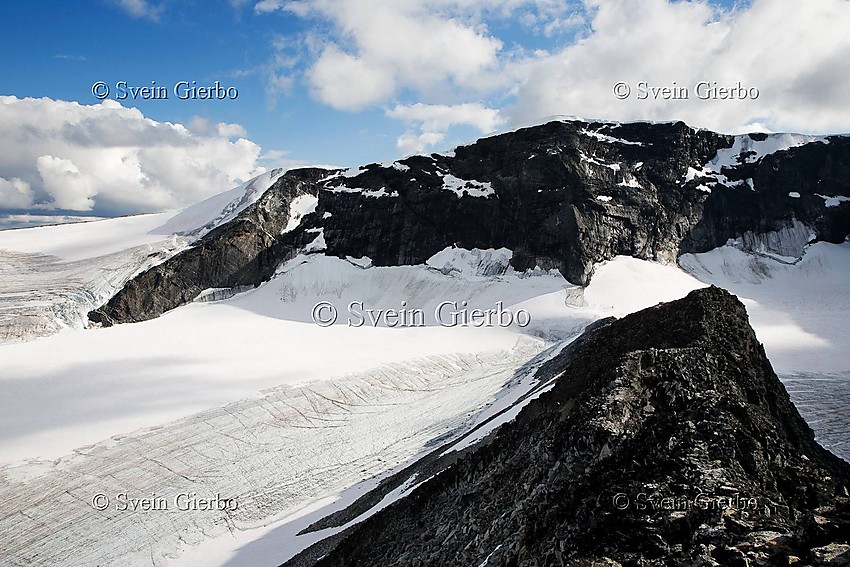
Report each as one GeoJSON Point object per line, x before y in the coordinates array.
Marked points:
{"type": "Point", "coordinates": [667, 439]}
{"type": "Point", "coordinates": [566, 195]}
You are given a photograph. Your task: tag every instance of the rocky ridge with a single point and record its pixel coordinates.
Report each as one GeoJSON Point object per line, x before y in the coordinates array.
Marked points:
{"type": "Point", "coordinates": [666, 440]}
{"type": "Point", "coordinates": [566, 194]}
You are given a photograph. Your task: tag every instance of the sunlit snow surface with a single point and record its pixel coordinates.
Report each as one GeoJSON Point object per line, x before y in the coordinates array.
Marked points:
{"type": "Point", "coordinates": [52, 276]}
{"type": "Point", "coordinates": [249, 398]}
{"type": "Point", "coordinates": [801, 313]}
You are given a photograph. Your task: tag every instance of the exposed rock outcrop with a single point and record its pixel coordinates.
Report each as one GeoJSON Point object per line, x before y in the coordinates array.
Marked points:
{"type": "Point", "coordinates": [567, 194]}
{"type": "Point", "coordinates": [237, 253]}
{"type": "Point", "coordinates": [666, 440]}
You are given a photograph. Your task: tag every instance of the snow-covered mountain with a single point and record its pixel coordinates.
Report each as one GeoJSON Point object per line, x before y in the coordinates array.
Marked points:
{"type": "Point", "coordinates": [565, 195]}
{"type": "Point", "coordinates": [54, 275]}
{"type": "Point", "coordinates": [228, 381]}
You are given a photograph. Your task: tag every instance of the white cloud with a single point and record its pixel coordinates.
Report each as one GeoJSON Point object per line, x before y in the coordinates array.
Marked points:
{"type": "Point", "coordinates": [432, 55]}
{"type": "Point", "coordinates": [442, 116]}
{"type": "Point", "coordinates": [112, 160]}
{"type": "Point", "coordinates": [70, 57]}
{"type": "Point", "coordinates": [205, 127]}
{"type": "Point", "coordinates": [277, 84]}
{"type": "Point", "coordinates": [63, 181]}
{"type": "Point", "coordinates": [15, 193]}
{"type": "Point", "coordinates": [794, 53]}
{"type": "Point", "coordinates": [380, 48]}
{"type": "Point", "coordinates": [411, 143]}
{"type": "Point", "coordinates": [141, 9]}
{"type": "Point", "coordinates": [266, 6]}
{"type": "Point", "coordinates": [435, 119]}
{"type": "Point", "coordinates": [347, 82]}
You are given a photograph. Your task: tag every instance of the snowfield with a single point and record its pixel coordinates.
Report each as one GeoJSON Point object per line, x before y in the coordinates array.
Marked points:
{"type": "Point", "coordinates": [250, 399]}
{"type": "Point", "coordinates": [52, 276]}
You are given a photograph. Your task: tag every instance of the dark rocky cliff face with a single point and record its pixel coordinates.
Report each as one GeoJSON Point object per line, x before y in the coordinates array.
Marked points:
{"type": "Point", "coordinates": [234, 254]}
{"type": "Point", "coordinates": [564, 194]}
{"type": "Point", "coordinates": [666, 440]}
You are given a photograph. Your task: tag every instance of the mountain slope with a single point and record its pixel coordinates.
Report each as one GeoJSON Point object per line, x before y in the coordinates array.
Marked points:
{"type": "Point", "coordinates": [563, 195]}
{"type": "Point", "coordinates": [666, 440]}
{"type": "Point", "coordinates": [231, 254]}
{"type": "Point", "coordinates": [52, 276]}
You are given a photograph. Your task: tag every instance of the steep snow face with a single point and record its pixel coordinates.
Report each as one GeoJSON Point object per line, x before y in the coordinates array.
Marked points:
{"type": "Point", "coordinates": [785, 245]}
{"type": "Point", "coordinates": [202, 217]}
{"type": "Point", "coordinates": [473, 262]}
{"type": "Point", "coordinates": [300, 206]}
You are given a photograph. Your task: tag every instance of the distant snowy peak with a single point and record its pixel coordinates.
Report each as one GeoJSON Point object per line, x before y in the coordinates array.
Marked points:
{"type": "Point", "coordinates": [199, 219]}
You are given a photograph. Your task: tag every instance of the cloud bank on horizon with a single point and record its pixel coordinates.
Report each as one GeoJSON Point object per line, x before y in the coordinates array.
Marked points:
{"type": "Point", "coordinates": [63, 156]}
{"type": "Point", "coordinates": [434, 68]}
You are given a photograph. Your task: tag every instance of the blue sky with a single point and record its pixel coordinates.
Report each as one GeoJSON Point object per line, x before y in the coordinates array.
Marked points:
{"type": "Point", "coordinates": [61, 56]}
{"type": "Point", "coordinates": [61, 48]}
{"type": "Point", "coordinates": [346, 82]}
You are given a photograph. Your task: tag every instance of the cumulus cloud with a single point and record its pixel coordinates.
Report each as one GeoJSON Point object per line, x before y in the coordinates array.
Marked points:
{"type": "Point", "coordinates": [205, 127]}
{"type": "Point", "coordinates": [435, 119]}
{"type": "Point", "coordinates": [15, 193]}
{"type": "Point", "coordinates": [442, 116]}
{"type": "Point", "coordinates": [792, 52]}
{"type": "Point", "coordinates": [380, 48]}
{"type": "Point", "coordinates": [109, 159]}
{"type": "Point", "coordinates": [347, 82]}
{"type": "Point", "coordinates": [410, 143]}
{"type": "Point", "coordinates": [450, 54]}
{"type": "Point", "coordinates": [62, 179]}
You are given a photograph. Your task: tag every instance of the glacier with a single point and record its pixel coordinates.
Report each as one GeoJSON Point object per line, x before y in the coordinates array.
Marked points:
{"type": "Point", "coordinates": [240, 393]}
